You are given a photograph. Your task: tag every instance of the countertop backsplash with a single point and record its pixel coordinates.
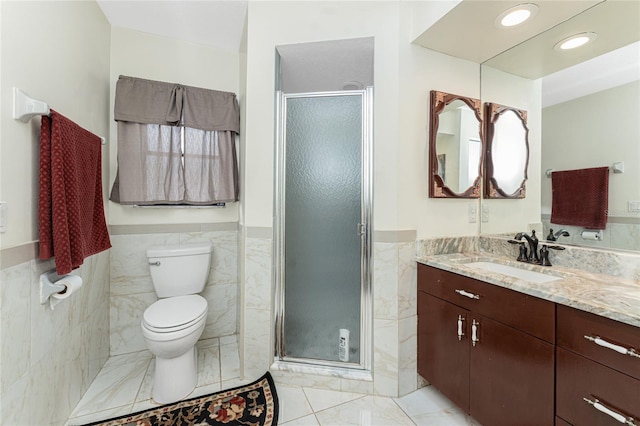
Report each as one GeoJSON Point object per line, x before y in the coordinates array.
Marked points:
{"type": "Point", "coordinates": [592, 260]}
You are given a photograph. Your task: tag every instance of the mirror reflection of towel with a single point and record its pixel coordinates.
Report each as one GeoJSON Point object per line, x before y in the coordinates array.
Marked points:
{"type": "Point", "coordinates": [580, 197]}
{"type": "Point", "coordinates": [71, 218]}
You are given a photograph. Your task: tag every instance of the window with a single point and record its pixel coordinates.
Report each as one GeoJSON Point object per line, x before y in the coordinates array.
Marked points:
{"type": "Point", "coordinates": [176, 144]}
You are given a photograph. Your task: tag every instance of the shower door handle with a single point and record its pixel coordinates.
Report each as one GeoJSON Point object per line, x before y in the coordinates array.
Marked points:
{"type": "Point", "coordinates": [362, 229]}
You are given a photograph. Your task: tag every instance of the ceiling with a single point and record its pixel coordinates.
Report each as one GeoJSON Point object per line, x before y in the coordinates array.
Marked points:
{"type": "Point", "coordinates": [217, 23]}
{"type": "Point", "coordinates": [617, 24]}
{"type": "Point", "coordinates": [467, 31]}
{"type": "Point", "coordinates": [611, 60]}
{"type": "Point", "coordinates": [472, 22]}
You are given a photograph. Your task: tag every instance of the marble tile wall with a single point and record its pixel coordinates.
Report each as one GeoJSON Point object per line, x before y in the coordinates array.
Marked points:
{"type": "Point", "coordinates": [394, 323]}
{"type": "Point", "coordinates": [617, 235]}
{"type": "Point", "coordinates": [623, 264]}
{"type": "Point", "coordinates": [258, 329]}
{"type": "Point", "coordinates": [132, 290]}
{"type": "Point", "coordinates": [50, 357]}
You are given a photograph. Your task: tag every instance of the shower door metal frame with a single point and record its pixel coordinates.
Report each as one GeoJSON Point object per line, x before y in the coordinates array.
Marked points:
{"type": "Point", "coordinates": [364, 228]}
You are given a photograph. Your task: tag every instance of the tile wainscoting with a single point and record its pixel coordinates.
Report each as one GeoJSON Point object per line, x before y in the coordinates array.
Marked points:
{"type": "Point", "coordinates": [132, 290]}
{"type": "Point", "coordinates": [49, 357]}
{"type": "Point", "coordinates": [394, 317]}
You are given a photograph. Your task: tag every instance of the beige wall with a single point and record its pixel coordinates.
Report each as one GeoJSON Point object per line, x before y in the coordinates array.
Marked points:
{"type": "Point", "coordinates": [423, 70]}
{"type": "Point", "coordinates": [277, 23]}
{"type": "Point", "coordinates": [57, 52]}
{"type": "Point", "coordinates": [404, 75]}
{"type": "Point", "coordinates": [153, 57]}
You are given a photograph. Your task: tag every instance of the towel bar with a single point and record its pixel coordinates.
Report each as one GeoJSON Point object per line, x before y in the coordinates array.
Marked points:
{"type": "Point", "coordinates": [24, 108]}
{"type": "Point", "coordinates": [617, 168]}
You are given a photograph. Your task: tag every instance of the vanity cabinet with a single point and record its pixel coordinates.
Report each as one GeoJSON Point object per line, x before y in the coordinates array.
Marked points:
{"type": "Point", "coordinates": [488, 349]}
{"type": "Point", "coordinates": [591, 366]}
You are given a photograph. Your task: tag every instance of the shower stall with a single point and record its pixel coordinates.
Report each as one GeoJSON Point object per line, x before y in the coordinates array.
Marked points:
{"type": "Point", "coordinates": [323, 203]}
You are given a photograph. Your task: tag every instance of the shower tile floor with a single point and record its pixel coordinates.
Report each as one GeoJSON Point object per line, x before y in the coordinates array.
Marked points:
{"type": "Point", "coordinates": [123, 386]}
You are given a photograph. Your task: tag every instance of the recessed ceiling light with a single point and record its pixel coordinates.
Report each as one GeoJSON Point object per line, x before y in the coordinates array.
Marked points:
{"type": "Point", "coordinates": [574, 41]}
{"type": "Point", "coordinates": [516, 15]}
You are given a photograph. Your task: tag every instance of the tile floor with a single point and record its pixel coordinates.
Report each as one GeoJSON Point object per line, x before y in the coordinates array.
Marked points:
{"type": "Point", "coordinates": [124, 385]}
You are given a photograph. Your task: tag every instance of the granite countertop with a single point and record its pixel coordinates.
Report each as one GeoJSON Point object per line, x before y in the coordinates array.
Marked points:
{"type": "Point", "coordinates": [611, 297]}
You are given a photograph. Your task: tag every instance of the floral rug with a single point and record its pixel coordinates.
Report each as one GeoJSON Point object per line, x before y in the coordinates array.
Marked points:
{"type": "Point", "coordinates": [255, 404]}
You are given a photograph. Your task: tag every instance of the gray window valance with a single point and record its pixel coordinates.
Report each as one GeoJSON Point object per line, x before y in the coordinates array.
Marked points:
{"type": "Point", "coordinates": [170, 104]}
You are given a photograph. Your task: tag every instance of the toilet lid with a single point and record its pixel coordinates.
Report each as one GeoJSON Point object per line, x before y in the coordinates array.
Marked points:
{"type": "Point", "coordinates": [173, 312]}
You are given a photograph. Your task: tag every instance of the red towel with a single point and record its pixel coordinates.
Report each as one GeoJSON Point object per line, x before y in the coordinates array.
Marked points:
{"type": "Point", "coordinates": [580, 197]}
{"type": "Point", "coordinates": [70, 211]}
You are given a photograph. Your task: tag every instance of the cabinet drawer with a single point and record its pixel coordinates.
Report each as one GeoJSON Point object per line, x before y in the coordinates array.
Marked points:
{"type": "Point", "coordinates": [526, 313]}
{"type": "Point", "coordinates": [578, 377]}
{"type": "Point", "coordinates": [574, 325]}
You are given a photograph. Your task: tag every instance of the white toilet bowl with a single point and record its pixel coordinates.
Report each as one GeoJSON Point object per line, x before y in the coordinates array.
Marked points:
{"type": "Point", "coordinates": [171, 327]}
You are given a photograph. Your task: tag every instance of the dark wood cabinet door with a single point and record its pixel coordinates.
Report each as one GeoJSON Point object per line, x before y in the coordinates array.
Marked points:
{"type": "Point", "coordinates": [443, 359]}
{"type": "Point", "coordinates": [512, 376]}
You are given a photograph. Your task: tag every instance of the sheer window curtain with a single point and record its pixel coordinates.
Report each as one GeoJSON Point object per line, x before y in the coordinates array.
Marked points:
{"type": "Point", "coordinates": [176, 144]}
{"type": "Point", "coordinates": [206, 173]}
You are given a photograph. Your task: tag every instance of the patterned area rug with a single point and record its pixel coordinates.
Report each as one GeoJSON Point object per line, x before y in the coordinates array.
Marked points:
{"type": "Point", "coordinates": [255, 404]}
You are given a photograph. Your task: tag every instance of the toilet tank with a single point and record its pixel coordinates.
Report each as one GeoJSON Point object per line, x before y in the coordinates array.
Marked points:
{"type": "Point", "coordinates": [178, 270]}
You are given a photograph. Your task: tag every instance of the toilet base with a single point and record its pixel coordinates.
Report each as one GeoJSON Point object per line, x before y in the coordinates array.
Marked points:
{"type": "Point", "coordinates": [175, 378]}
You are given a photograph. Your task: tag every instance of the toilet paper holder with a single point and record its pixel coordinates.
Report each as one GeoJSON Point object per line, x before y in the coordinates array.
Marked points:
{"type": "Point", "coordinates": [593, 235]}
{"type": "Point", "coordinates": [48, 285]}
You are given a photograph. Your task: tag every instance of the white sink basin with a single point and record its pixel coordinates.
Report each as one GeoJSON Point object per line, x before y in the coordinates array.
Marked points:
{"type": "Point", "coordinates": [524, 274]}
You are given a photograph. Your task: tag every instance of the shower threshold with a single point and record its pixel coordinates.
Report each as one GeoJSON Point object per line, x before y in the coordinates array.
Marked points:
{"type": "Point", "coordinates": [337, 371]}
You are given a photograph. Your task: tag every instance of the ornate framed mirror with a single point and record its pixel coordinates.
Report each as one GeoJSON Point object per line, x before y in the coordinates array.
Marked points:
{"type": "Point", "coordinates": [455, 146]}
{"type": "Point", "coordinates": [507, 152]}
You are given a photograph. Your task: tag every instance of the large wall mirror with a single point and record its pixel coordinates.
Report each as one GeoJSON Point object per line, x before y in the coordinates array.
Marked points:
{"type": "Point", "coordinates": [589, 104]}
{"type": "Point", "coordinates": [455, 146]}
{"type": "Point", "coordinates": [507, 153]}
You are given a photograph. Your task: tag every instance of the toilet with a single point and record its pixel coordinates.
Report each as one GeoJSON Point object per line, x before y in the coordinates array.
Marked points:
{"type": "Point", "coordinates": [172, 325]}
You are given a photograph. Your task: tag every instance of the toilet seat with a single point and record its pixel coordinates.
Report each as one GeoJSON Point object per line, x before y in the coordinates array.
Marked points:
{"type": "Point", "coordinates": [174, 313]}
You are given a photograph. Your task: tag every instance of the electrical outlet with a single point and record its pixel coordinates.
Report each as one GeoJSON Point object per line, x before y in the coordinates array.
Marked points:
{"type": "Point", "coordinates": [472, 211]}
{"type": "Point", "coordinates": [634, 206]}
{"type": "Point", "coordinates": [485, 214]}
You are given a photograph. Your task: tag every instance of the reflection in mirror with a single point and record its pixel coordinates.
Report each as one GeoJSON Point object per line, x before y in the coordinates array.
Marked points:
{"type": "Point", "coordinates": [455, 146]}
{"type": "Point", "coordinates": [507, 152]}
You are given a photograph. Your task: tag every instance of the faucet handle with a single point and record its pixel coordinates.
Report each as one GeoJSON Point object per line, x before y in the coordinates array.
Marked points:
{"type": "Point", "coordinates": [544, 255]}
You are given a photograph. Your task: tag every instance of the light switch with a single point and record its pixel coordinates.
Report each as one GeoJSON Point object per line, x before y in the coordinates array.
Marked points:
{"type": "Point", "coordinates": [472, 211]}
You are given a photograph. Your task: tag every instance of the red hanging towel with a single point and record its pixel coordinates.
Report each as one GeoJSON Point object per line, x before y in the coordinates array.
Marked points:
{"type": "Point", "coordinates": [580, 197]}
{"type": "Point", "coordinates": [70, 211]}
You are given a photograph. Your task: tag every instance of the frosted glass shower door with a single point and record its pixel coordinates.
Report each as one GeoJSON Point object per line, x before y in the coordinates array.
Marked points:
{"type": "Point", "coordinates": [323, 226]}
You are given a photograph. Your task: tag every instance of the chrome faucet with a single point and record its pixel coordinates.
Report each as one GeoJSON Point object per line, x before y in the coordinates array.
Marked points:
{"type": "Point", "coordinates": [560, 233]}
{"type": "Point", "coordinates": [533, 246]}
